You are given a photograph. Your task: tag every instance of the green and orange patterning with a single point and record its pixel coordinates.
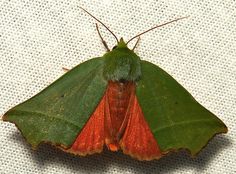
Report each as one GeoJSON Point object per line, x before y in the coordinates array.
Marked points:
{"type": "Point", "coordinates": [119, 101]}
{"type": "Point", "coordinates": [118, 122]}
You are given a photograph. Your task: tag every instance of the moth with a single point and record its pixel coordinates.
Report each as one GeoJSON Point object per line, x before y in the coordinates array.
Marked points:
{"type": "Point", "coordinates": [118, 102]}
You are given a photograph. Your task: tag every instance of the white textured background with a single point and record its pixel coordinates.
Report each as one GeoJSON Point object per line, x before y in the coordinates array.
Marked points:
{"type": "Point", "coordinates": [38, 38]}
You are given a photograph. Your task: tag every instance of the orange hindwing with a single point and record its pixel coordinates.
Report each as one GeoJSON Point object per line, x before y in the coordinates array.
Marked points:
{"type": "Point", "coordinates": [118, 122]}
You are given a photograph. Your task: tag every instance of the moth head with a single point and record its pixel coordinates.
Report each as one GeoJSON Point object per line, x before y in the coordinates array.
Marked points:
{"type": "Point", "coordinates": [120, 44]}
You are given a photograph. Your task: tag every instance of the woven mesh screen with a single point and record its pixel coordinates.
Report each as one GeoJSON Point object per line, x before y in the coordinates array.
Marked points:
{"type": "Point", "coordinates": [38, 38]}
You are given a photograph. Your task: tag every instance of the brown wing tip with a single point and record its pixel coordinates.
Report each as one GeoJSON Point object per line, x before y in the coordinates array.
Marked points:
{"type": "Point", "coordinates": [81, 153]}
{"type": "Point", "coordinates": [4, 117]}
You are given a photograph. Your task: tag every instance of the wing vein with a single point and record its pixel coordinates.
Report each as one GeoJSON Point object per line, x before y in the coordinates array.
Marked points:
{"type": "Point", "coordinates": [41, 114]}
{"type": "Point", "coordinates": [181, 123]}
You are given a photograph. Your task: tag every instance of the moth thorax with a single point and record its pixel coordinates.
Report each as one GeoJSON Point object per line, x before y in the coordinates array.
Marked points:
{"type": "Point", "coordinates": [122, 64]}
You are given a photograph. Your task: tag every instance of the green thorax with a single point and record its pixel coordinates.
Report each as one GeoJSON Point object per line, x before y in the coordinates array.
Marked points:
{"type": "Point", "coordinates": [122, 64]}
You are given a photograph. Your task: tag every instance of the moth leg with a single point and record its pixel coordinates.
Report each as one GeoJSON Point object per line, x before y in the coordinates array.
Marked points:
{"type": "Point", "coordinates": [103, 41]}
{"type": "Point", "coordinates": [65, 69]}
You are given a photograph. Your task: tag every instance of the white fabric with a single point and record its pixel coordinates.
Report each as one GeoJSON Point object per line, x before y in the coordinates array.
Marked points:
{"type": "Point", "coordinates": [38, 38]}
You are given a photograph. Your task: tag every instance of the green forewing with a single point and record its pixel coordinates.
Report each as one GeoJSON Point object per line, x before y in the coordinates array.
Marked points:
{"type": "Point", "coordinates": [58, 113]}
{"type": "Point", "coordinates": [176, 119]}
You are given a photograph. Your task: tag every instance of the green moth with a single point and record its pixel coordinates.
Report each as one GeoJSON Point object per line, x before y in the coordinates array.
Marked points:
{"type": "Point", "coordinates": [120, 102]}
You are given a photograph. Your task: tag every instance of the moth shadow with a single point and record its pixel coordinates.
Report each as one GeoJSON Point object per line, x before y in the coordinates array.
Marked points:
{"type": "Point", "coordinates": [47, 155]}
{"type": "Point", "coordinates": [100, 163]}
{"type": "Point", "coordinates": [182, 159]}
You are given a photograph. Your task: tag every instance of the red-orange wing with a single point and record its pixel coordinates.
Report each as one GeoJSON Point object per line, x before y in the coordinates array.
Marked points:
{"type": "Point", "coordinates": [91, 139]}
{"type": "Point", "coordinates": [138, 140]}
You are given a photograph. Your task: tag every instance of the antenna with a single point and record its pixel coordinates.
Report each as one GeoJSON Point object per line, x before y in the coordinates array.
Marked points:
{"type": "Point", "coordinates": [136, 43]}
{"type": "Point", "coordinates": [155, 28]}
{"type": "Point", "coordinates": [101, 23]}
{"type": "Point", "coordinates": [103, 41]}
